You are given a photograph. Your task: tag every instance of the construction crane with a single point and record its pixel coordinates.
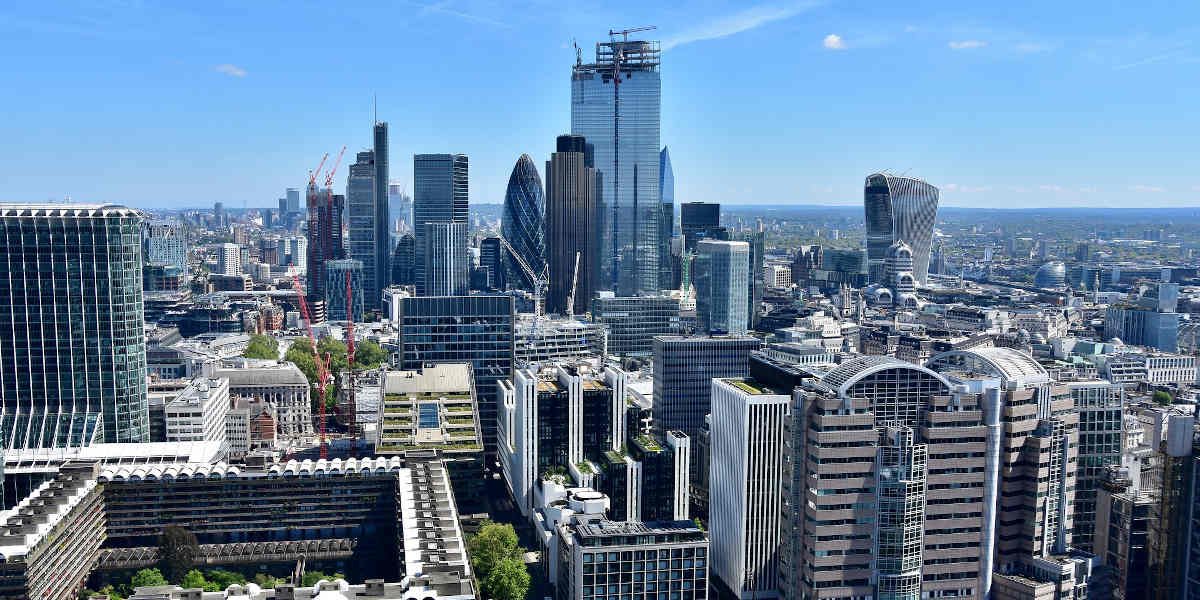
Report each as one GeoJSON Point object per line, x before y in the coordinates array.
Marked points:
{"type": "Point", "coordinates": [624, 33]}
{"type": "Point", "coordinates": [322, 364]}
{"type": "Point", "coordinates": [539, 280]}
{"type": "Point", "coordinates": [353, 427]}
{"type": "Point", "coordinates": [312, 175]}
{"type": "Point", "coordinates": [574, 282]}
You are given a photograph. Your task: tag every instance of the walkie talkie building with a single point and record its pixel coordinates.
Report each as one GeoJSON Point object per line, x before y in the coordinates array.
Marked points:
{"type": "Point", "coordinates": [899, 209]}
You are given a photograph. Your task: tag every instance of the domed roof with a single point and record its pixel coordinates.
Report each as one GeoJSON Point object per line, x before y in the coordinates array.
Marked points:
{"type": "Point", "coordinates": [895, 249]}
{"type": "Point", "coordinates": [1050, 275]}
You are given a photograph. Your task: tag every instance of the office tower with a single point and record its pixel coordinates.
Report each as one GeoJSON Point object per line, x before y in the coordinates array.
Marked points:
{"type": "Point", "coordinates": [383, 238]}
{"type": "Point", "coordinates": [283, 212]}
{"type": "Point", "coordinates": [671, 556]}
{"type": "Point", "coordinates": [71, 313]}
{"type": "Point", "coordinates": [522, 224]}
{"type": "Point", "coordinates": [293, 201]}
{"type": "Point", "coordinates": [402, 260]}
{"type": "Point", "coordinates": [899, 209]}
{"type": "Point", "coordinates": [198, 413]}
{"type": "Point", "coordinates": [746, 473]}
{"type": "Point", "coordinates": [490, 255]}
{"type": "Point", "coordinates": [722, 271]}
{"type": "Point", "coordinates": [474, 329]}
{"type": "Point", "coordinates": [572, 226]}
{"type": "Point", "coordinates": [165, 243]}
{"type": "Point", "coordinates": [1101, 408]}
{"type": "Point", "coordinates": [758, 275]}
{"type": "Point", "coordinates": [697, 221]}
{"type": "Point", "coordinates": [297, 251]}
{"type": "Point", "coordinates": [1142, 327]}
{"type": "Point", "coordinates": [324, 237]}
{"type": "Point", "coordinates": [554, 416]}
{"type": "Point", "coordinates": [684, 368]}
{"type": "Point", "coordinates": [229, 259]}
{"type": "Point", "coordinates": [633, 322]}
{"type": "Point", "coordinates": [447, 264]}
{"type": "Point", "coordinates": [439, 196]}
{"type": "Point", "coordinates": [218, 214]}
{"type": "Point", "coordinates": [399, 206]}
{"type": "Point", "coordinates": [1082, 252]}
{"type": "Point", "coordinates": [361, 215]}
{"type": "Point", "coordinates": [620, 118]}
{"type": "Point", "coordinates": [335, 289]}
{"type": "Point", "coordinates": [558, 338]}
{"type": "Point", "coordinates": [666, 218]}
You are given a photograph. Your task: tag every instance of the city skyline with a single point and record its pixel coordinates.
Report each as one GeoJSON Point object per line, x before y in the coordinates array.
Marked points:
{"type": "Point", "coordinates": [1021, 111]}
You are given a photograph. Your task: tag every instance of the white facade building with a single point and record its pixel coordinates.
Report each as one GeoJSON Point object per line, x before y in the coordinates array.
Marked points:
{"type": "Point", "coordinates": [229, 259]}
{"type": "Point", "coordinates": [198, 413]}
{"type": "Point", "coordinates": [746, 475]}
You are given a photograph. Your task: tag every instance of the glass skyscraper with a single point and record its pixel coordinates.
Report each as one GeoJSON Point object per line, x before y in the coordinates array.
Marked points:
{"type": "Point", "coordinates": [440, 195]}
{"type": "Point", "coordinates": [722, 286]}
{"type": "Point", "coordinates": [666, 218]}
{"type": "Point", "coordinates": [71, 326]}
{"type": "Point", "coordinates": [616, 105]}
{"type": "Point", "coordinates": [899, 209]}
{"type": "Point", "coordinates": [383, 239]}
{"type": "Point", "coordinates": [360, 213]}
{"type": "Point", "coordinates": [523, 224]}
{"type": "Point", "coordinates": [447, 268]}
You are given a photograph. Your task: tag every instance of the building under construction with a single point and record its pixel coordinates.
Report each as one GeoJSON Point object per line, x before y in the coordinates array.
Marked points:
{"type": "Point", "coordinates": [615, 105]}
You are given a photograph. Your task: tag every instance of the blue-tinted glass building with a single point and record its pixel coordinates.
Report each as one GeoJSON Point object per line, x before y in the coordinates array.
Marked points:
{"type": "Point", "coordinates": [722, 286]}
{"type": "Point", "coordinates": [899, 209]}
{"type": "Point", "coordinates": [71, 325]}
{"type": "Point", "coordinates": [440, 195]}
{"type": "Point", "coordinates": [666, 218]}
{"type": "Point", "coordinates": [361, 215]}
{"type": "Point", "coordinates": [335, 289]}
{"type": "Point", "coordinates": [522, 223]}
{"type": "Point", "coordinates": [616, 105]}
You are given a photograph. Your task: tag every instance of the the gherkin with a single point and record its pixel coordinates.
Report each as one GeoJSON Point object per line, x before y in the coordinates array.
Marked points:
{"type": "Point", "coordinates": [522, 224]}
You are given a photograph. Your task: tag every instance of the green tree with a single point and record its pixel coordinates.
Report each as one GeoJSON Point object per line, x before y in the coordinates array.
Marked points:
{"type": "Point", "coordinates": [262, 346]}
{"type": "Point", "coordinates": [224, 579]}
{"type": "Point", "coordinates": [1162, 397]}
{"type": "Point", "coordinates": [148, 577]}
{"type": "Point", "coordinates": [177, 550]}
{"type": "Point", "coordinates": [368, 355]}
{"type": "Point", "coordinates": [493, 543]}
{"type": "Point", "coordinates": [508, 580]}
{"type": "Point", "coordinates": [267, 581]}
{"type": "Point", "coordinates": [112, 592]}
{"type": "Point", "coordinates": [193, 579]}
{"type": "Point", "coordinates": [312, 577]}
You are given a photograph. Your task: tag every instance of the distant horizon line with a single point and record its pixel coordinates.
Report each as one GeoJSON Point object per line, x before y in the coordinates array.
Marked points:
{"type": "Point", "coordinates": [723, 205]}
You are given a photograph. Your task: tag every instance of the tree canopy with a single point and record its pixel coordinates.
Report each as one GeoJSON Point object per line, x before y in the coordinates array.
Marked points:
{"type": "Point", "coordinates": [367, 355]}
{"type": "Point", "coordinates": [147, 577]}
{"type": "Point", "coordinates": [497, 560]}
{"type": "Point", "coordinates": [1162, 397]}
{"type": "Point", "coordinates": [177, 550]}
{"type": "Point", "coordinates": [262, 346]}
{"type": "Point", "coordinates": [509, 580]}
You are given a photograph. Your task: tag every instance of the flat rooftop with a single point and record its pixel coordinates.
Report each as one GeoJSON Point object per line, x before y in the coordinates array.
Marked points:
{"type": "Point", "coordinates": [444, 378]}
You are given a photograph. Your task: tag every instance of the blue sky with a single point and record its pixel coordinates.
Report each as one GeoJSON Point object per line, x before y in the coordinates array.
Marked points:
{"type": "Point", "coordinates": [1001, 104]}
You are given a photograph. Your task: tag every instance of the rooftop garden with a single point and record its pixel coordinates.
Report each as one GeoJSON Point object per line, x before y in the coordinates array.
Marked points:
{"type": "Point", "coordinates": [648, 443]}
{"type": "Point", "coordinates": [748, 387]}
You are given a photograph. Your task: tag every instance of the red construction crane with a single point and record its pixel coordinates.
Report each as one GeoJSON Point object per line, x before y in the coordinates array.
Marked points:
{"type": "Point", "coordinates": [322, 364]}
{"type": "Point", "coordinates": [353, 427]}
{"type": "Point", "coordinates": [312, 175]}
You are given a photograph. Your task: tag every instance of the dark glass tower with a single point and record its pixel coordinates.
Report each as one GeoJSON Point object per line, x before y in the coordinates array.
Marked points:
{"type": "Point", "coordinates": [439, 196]}
{"type": "Point", "coordinates": [71, 326]}
{"type": "Point", "coordinates": [572, 196]}
{"type": "Point", "coordinates": [361, 215]}
{"type": "Point", "coordinates": [373, 296]}
{"type": "Point", "coordinates": [522, 224]}
{"type": "Point", "coordinates": [899, 209]}
{"type": "Point", "coordinates": [697, 221]}
{"type": "Point", "coordinates": [324, 237]}
{"type": "Point", "coordinates": [402, 260]}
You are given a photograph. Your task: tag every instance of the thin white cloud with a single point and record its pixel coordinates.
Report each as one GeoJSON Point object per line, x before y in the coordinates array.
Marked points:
{"type": "Point", "coordinates": [966, 44]}
{"type": "Point", "coordinates": [444, 8]}
{"type": "Point", "coordinates": [231, 70]}
{"type": "Point", "coordinates": [966, 189]}
{"type": "Point", "coordinates": [1150, 60]}
{"type": "Point", "coordinates": [751, 18]}
{"type": "Point", "coordinates": [834, 41]}
{"type": "Point", "coordinates": [1147, 189]}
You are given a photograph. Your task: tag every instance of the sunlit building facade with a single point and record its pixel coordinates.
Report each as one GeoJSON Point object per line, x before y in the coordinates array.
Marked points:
{"type": "Point", "coordinates": [899, 209]}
